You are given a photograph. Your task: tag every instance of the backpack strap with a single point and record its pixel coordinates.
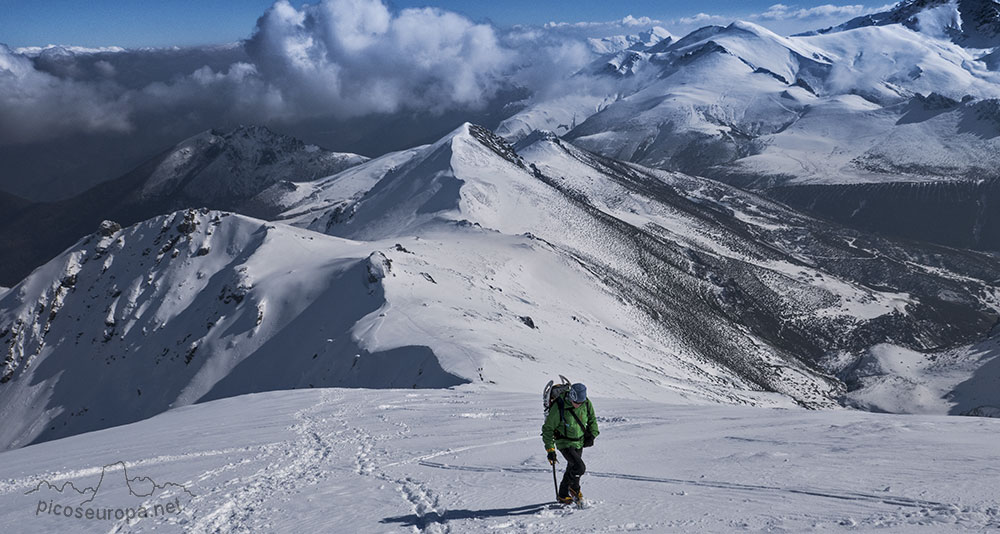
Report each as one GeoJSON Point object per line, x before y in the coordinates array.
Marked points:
{"type": "Point", "coordinates": [577, 417]}
{"type": "Point", "coordinates": [562, 415]}
{"type": "Point", "coordinates": [562, 418]}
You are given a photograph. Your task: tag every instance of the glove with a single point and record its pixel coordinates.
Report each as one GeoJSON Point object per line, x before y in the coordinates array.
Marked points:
{"type": "Point", "coordinates": [588, 440]}
{"type": "Point", "coordinates": [552, 456]}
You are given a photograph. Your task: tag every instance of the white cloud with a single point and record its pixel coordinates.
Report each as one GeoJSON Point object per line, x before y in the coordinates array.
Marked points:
{"type": "Point", "coordinates": [339, 58]}
{"type": "Point", "coordinates": [600, 29]}
{"type": "Point", "coordinates": [106, 69]}
{"type": "Point", "coordinates": [335, 58]}
{"type": "Point", "coordinates": [629, 20]}
{"type": "Point", "coordinates": [704, 19]}
{"type": "Point", "coordinates": [36, 105]}
{"type": "Point", "coordinates": [353, 57]}
{"type": "Point", "coordinates": [784, 12]}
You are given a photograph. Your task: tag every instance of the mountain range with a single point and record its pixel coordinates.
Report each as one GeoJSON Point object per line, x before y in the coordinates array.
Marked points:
{"type": "Point", "coordinates": [236, 170]}
{"type": "Point", "coordinates": [904, 97]}
{"type": "Point", "coordinates": [731, 216]}
{"type": "Point", "coordinates": [474, 261]}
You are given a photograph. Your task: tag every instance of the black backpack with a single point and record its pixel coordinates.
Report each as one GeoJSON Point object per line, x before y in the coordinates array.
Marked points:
{"type": "Point", "coordinates": [554, 392]}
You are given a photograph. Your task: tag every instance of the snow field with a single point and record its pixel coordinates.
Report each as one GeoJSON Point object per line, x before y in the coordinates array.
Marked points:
{"type": "Point", "coordinates": [471, 460]}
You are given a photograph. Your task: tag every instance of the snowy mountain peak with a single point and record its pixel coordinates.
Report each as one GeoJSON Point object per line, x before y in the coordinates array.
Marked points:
{"type": "Point", "coordinates": [422, 186]}
{"type": "Point", "coordinates": [652, 37]}
{"type": "Point", "coordinates": [217, 167]}
{"type": "Point", "coordinates": [469, 136]}
{"type": "Point", "coordinates": [53, 50]}
{"type": "Point", "coordinates": [188, 306]}
{"type": "Point", "coordinates": [494, 142]}
{"type": "Point", "coordinates": [253, 137]}
{"type": "Point", "coordinates": [701, 34]}
{"type": "Point", "coordinates": [749, 27]}
{"type": "Point", "coordinates": [971, 23]}
{"type": "Point", "coordinates": [467, 261]}
{"type": "Point", "coordinates": [640, 41]}
{"type": "Point", "coordinates": [755, 45]}
{"type": "Point", "coordinates": [247, 169]}
{"type": "Point", "coordinates": [535, 137]}
{"type": "Point", "coordinates": [586, 205]}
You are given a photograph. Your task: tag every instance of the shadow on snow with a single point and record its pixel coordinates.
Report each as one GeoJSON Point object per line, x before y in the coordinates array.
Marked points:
{"type": "Point", "coordinates": [422, 522]}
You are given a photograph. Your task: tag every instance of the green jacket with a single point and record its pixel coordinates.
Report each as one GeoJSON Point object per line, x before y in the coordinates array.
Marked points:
{"type": "Point", "coordinates": [567, 433]}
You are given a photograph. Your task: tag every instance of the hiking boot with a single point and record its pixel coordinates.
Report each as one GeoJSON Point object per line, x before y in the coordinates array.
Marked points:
{"type": "Point", "coordinates": [565, 500]}
{"type": "Point", "coordinates": [575, 495]}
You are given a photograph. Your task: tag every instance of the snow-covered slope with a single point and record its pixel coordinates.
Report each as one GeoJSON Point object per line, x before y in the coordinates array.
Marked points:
{"type": "Point", "coordinates": [784, 287]}
{"type": "Point", "coordinates": [469, 460]}
{"type": "Point", "coordinates": [905, 96]}
{"type": "Point", "coordinates": [628, 60]}
{"type": "Point", "coordinates": [932, 138]}
{"type": "Point", "coordinates": [639, 41]}
{"type": "Point", "coordinates": [972, 23]}
{"type": "Point", "coordinates": [338, 190]}
{"type": "Point", "coordinates": [226, 169]}
{"type": "Point", "coordinates": [464, 261]}
{"type": "Point", "coordinates": [618, 58]}
{"type": "Point", "coordinates": [199, 305]}
{"type": "Point", "coordinates": [246, 169]}
{"type": "Point", "coordinates": [742, 101]}
{"type": "Point", "coordinates": [559, 114]}
{"type": "Point", "coordinates": [960, 381]}
{"type": "Point", "coordinates": [182, 307]}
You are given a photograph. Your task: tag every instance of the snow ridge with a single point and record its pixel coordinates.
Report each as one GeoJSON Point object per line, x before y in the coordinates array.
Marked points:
{"type": "Point", "coordinates": [744, 105]}
{"type": "Point", "coordinates": [470, 261]}
{"type": "Point", "coordinates": [195, 302]}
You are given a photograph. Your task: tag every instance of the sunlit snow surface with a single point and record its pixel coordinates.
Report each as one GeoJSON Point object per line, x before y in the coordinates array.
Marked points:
{"type": "Point", "coordinates": [471, 460]}
{"type": "Point", "coordinates": [461, 262]}
{"type": "Point", "coordinates": [898, 380]}
{"type": "Point", "coordinates": [864, 105]}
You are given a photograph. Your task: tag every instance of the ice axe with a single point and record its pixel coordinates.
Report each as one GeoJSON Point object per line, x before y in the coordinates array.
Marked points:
{"type": "Point", "coordinates": [554, 483]}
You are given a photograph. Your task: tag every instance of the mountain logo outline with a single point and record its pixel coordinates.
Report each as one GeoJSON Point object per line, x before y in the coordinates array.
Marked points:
{"type": "Point", "coordinates": [93, 491]}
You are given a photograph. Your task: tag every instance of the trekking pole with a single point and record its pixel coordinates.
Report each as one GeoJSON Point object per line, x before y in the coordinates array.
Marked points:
{"type": "Point", "coordinates": [554, 483]}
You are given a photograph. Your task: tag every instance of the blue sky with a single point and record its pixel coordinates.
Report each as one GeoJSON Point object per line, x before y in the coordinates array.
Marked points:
{"type": "Point", "coordinates": [136, 23]}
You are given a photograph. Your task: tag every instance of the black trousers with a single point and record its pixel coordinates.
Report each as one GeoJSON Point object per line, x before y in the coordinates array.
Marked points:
{"type": "Point", "coordinates": [575, 468]}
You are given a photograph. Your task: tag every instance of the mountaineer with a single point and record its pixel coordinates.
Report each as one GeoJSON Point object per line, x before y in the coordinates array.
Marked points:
{"type": "Point", "coordinates": [570, 426]}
